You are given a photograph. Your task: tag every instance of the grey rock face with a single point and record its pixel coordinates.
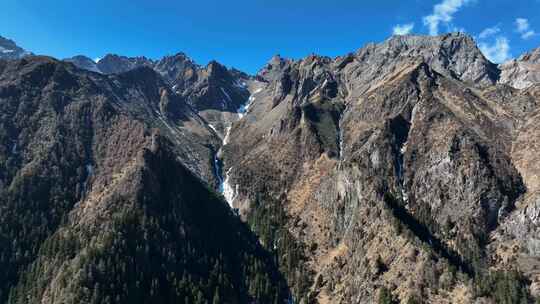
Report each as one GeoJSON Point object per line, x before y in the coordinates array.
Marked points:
{"type": "Point", "coordinates": [522, 72]}
{"type": "Point", "coordinates": [114, 64]}
{"type": "Point", "coordinates": [179, 70]}
{"type": "Point", "coordinates": [453, 55]}
{"type": "Point", "coordinates": [217, 88]}
{"type": "Point", "coordinates": [9, 50]}
{"type": "Point", "coordinates": [84, 63]}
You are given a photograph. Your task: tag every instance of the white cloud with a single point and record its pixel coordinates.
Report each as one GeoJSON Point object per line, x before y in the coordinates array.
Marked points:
{"type": "Point", "coordinates": [497, 52]}
{"type": "Point", "coordinates": [97, 59]}
{"type": "Point", "coordinates": [522, 24]}
{"type": "Point", "coordinates": [527, 35]}
{"type": "Point", "coordinates": [443, 13]}
{"type": "Point", "coordinates": [490, 31]}
{"type": "Point", "coordinates": [523, 27]}
{"type": "Point", "coordinates": [403, 29]}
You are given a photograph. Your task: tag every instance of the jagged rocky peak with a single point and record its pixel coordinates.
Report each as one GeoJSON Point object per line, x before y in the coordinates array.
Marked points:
{"type": "Point", "coordinates": [273, 68]}
{"type": "Point", "coordinates": [532, 56]}
{"type": "Point", "coordinates": [213, 86]}
{"type": "Point", "coordinates": [10, 50]}
{"type": "Point", "coordinates": [455, 55]}
{"type": "Point", "coordinates": [217, 70]}
{"type": "Point", "coordinates": [169, 65]}
{"type": "Point", "coordinates": [178, 57]}
{"type": "Point", "coordinates": [217, 88]}
{"type": "Point", "coordinates": [114, 64]}
{"type": "Point", "coordinates": [239, 74]}
{"type": "Point", "coordinates": [175, 62]}
{"type": "Point", "coordinates": [179, 70]}
{"type": "Point", "coordinates": [522, 72]}
{"type": "Point", "coordinates": [84, 63]}
{"type": "Point", "coordinates": [316, 59]}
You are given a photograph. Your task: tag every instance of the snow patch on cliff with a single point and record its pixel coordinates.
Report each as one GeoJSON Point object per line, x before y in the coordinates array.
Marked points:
{"type": "Point", "coordinates": [229, 191]}
{"type": "Point", "coordinates": [242, 111]}
{"type": "Point", "coordinates": [227, 135]}
{"type": "Point", "coordinates": [213, 128]}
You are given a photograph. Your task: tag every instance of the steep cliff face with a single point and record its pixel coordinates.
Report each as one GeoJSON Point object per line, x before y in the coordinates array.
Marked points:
{"type": "Point", "coordinates": [98, 204]}
{"type": "Point", "coordinates": [397, 161]}
{"type": "Point", "coordinates": [516, 239]}
{"type": "Point", "coordinates": [522, 72]}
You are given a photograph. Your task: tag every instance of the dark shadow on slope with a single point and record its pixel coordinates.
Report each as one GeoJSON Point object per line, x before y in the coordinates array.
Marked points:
{"type": "Point", "coordinates": [423, 233]}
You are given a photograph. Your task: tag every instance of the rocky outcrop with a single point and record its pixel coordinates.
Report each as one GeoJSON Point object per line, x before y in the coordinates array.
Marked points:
{"type": "Point", "coordinates": [453, 55]}
{"type": "Point", "coordinates": [114, 64]}
{"type": "Point", "coordinates": [522, 72]}
{"type": "Point", "coordinates": [9, 50]}
{"type": "Point", "coordinates": [84, 63]}
{"type": "Point", "coordinates": [216, 92]}
{"type": "Point", "coordinates": [179, 70]}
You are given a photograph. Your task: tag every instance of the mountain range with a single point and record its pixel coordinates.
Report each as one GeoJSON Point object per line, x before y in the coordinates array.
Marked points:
{"type": "Point", "coordinates": [407, 171]}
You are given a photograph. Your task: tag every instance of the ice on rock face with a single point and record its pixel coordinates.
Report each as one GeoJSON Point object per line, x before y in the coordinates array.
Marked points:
{"type": "Point", "coordinates": [224, 182]}
{"type": "Point", "coordinates": [240, 84]}
{"type": "Point", "coordinates": [229, 192]}
{"type": "Point", "coordinates": [227, 135]}
{"type": "Point", "coordinates": [404, 195]}
{"type": "Point", "coordinates": [403, 148]}
{"type": "Point", "coordinates": [245, 108]}
{"type": "Point", "coordinates": [5, 51]}
{"type": "Point", "coordinates": [212, 127]}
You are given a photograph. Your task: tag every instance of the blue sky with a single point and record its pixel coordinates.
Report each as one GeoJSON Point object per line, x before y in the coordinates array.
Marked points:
{"type": "Point", "coordinates": [246, 33]}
